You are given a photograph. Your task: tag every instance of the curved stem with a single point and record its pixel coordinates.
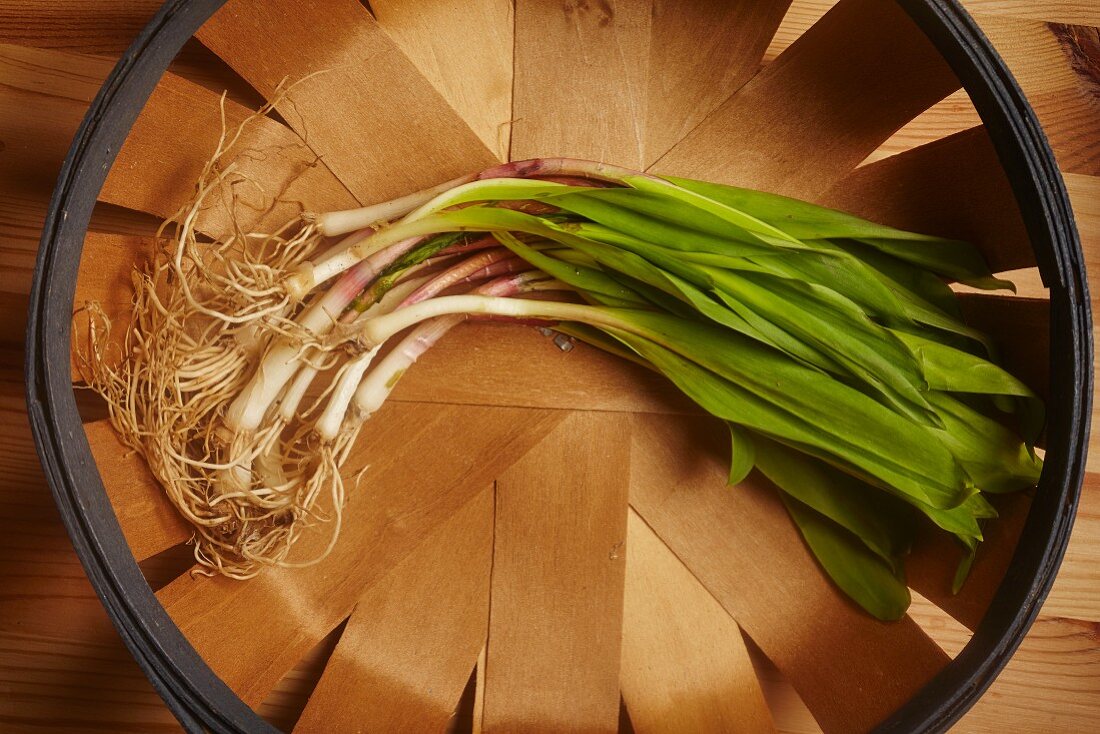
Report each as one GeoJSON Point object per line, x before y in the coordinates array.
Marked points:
{"type": "Point", "coordinates": [378, 385]}
{"type": "Point", "coordinates": [342, 222]}
{"type": "Point", "coordinates": [336, 223]}
{"type": "Point", "coordinates": [378, 330]}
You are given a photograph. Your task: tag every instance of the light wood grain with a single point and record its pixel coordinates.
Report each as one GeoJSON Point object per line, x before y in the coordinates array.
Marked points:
{"type": "Point", "coordinates": [406, 653]}
{"type": "Point", "coordinates": [455, 452]}
{"type": "Point", "coordinates": [22, 212]}
{"type": "Point", "coordinates": [62, 666]}
{"type": "Point", "coordinates": [44, 590]}
{"type": "Point", "coordinates": [1076, 592]}
{"type": "Point", "coordinates": [40, 109]}
{"type": "Point", "coordinates": [1085, 12]}
{"type": "Point", "coordinates": [954, 187]}
{"type": "Point", "coordinates": [1052, 685]}
{"type": "Point", "coordinates": [88, 684]}
{"type": "Point", "coordinates": [1084, 194]}
{"type": "Point", "coordinates": [580, 80]}
{"type": "Point", "coordinates": [742, 546]}
{"type": "Point", "coordinates": [800, 16]}
{"type": "Point", "coordinates": [557, 584]}
{"type": "Point", "coordinates": [179, 127]}
{"type": "Point", "coordinates": [104, 27]}
{"type": "Point", "coordinates": [822, 107]}
{"type": "Point", "coordinates": [701, 53]}
{"type": "Point", "coordinates": [684, 667]}
{"type": "Point", "coordinates": [377, 123]}
{"type": "Point", "coordinates": [465, 50]}
{"type": "Point", "coordinates": [1052, 65]}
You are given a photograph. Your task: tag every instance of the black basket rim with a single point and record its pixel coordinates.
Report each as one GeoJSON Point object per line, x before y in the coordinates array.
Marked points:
{"type": "Point", "coordinates": [202, 702]}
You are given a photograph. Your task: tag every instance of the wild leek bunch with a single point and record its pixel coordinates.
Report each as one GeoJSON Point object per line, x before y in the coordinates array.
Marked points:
{"type": "Point", "coordinates": [831, 346]}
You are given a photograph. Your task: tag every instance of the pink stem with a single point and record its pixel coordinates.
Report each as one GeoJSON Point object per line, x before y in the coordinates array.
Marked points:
{"type": "Point", "coordinates": [482, 244]}
{"type": "Point", "coordinates": [360, 275]}
{"type": "Point", "coordinates": [540, 167]}
{"type": "Point", "coordinates": [457, 274]}
{"type": "Point", "coordinates": [574, 181]}
{"type": "Point", "coordinates": [501, 267]}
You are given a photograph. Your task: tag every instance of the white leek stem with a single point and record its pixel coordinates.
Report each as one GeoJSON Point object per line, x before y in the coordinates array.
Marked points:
{"type": "Point", "coordinates": [333, 224]}
{"type": "Point", "coordinates": [378, 385]}
{"type": "Point", "coordinates": [288, 409]}
{"type": "Point", "coordinates": [311, 274]}
{"type": "Point", "coordinates": [377, 330]}
{"type": "Point", "coordinates": [332, 419]}
{"type": "Point", "coordinates": [482, 190]}
{"type": "Point", "coordinates": [342, 222]}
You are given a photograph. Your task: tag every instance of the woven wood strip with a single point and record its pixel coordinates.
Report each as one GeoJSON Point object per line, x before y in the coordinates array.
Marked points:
{"type": "Point", "coordinates": [834, 96]}
{"type": "Point", "coordinates": [425, 463]}
{"type": "Point", "coordinates": [557, 584]}
{"type": "Point", "coordinates": [365, 108]}
{"type": "Point", "coordinates": [465, 50]}
{"type": "Point", "coordinates": [954, 187]}
{"type": "Point", "coordinates": [407, 651]}
{"type": "Point", "coordinates": [742, 546]}
{"type": "Point", "coordinates": [685, 667]}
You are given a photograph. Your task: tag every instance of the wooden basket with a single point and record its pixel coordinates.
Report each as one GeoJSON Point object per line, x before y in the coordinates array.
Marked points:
{"type": "Point", "coordinates": [566, 555]}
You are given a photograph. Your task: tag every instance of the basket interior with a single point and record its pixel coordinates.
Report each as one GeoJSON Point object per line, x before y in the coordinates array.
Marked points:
{"type": "Point", "coordinates": [544, 538]}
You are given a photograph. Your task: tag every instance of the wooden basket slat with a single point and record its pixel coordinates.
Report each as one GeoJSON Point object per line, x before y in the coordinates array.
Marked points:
{"type": "Point", "coordinates": [800, 17]}
{"type": "Point", "coordinates": [557, 582]}
{"type": "Point", "coordinates": [509, 365]}
{"type": "Point", "coordinates": [407, 651]}
{"type": "Point", "coordinates": [685, 667]}
{"type": "Point", "coordinates": [580, 80]}
{"type": "Point", "coordinates": [787, 707]}
{"type": "Point", "coordinates": [180, 125]}
{"type": "Point", "coordinates": [700, 53]}
{"type": "Point", "coordinates": [465, 50]}
{"type": "Point", "coordinates": [148, 519]}
{"type": "Point", "coordinates": [930, 568]}
{"type": "Point", "coordinates": [198, 64]}
{"type": "Point", "coordinates": [379, 125]}
{"type": "Point", "coordinates": [425, 463]}
{"type": "Point", "coordinates": [104, 278]}
{"type": "Point", "coordinates": [741, 545]}
{"type": "Point", "coordinates": [1051, 63]}
{"type": "Point", "coordinates": [953, 187]}
{"type": "Point", "coordinates": [952, 114]}
{"type": "Point", "coordinates": [828, 102]}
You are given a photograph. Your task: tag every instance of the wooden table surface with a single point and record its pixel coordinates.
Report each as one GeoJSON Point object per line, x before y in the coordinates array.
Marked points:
{"type": "Point", "coordinates": [63, 667]}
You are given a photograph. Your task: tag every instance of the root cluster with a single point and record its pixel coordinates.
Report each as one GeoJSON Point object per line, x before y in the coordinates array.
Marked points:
{"type": "Point", "coordinates": [204, 313]}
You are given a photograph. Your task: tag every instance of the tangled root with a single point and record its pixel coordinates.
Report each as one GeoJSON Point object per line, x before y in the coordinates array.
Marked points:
{"type": "Point", "coordinates": [204, 313]}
